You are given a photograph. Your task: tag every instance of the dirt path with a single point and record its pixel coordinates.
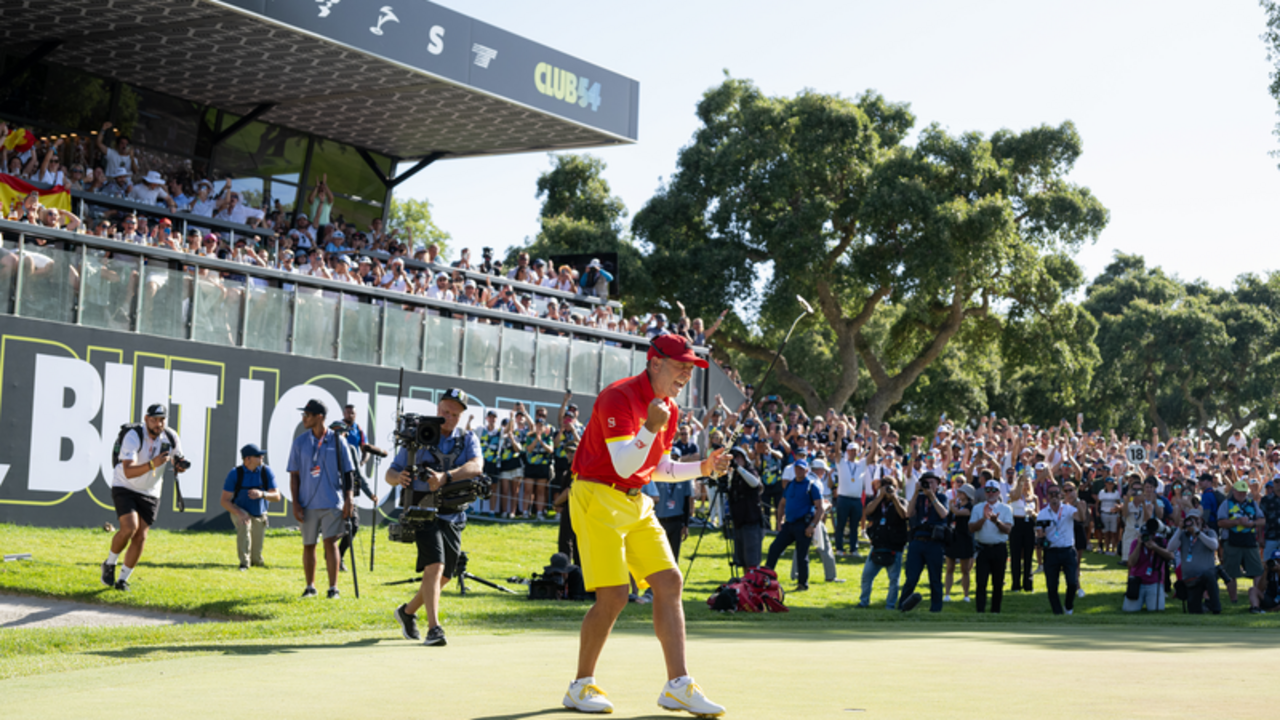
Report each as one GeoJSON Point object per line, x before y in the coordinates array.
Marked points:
{"type": "Point", "coordinates": [17, 611]}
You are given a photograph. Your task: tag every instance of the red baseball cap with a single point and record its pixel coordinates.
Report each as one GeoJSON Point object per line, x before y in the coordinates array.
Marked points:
{"type": "Point", "coordinates": [674, 347]}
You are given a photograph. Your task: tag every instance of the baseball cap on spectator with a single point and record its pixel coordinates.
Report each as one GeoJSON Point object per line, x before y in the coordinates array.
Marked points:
{"type": "Point", "coordinates": [572, 407]}
{"type": "Point", "coordinates": [538, 262]}
{"type": "Point", "coordinates": [1275, 555]}
{"type": "Point", "coordinates": [1041, 466]}
{"type": "Point", "coordinates": [301, 255]}
{"type": "Point", "coordinates": [315, 407]}
{"type": "Point", "coordinates": [165, 222]}
{"type": "Point", "coordinates": [800, 451]}
{"type": "Point", "coordinates": [595, 263]}
{"type": "Point", "coordinates": [342, 260]}
{"type": "Point", "coordinates": [441, 276]}
{"type": "Point", "coordinates": [204, 183]}
{"type": "Point", "coordinates": [491, 413]}
{"type": "Point", "coordinates": [801, 464]}
{"type": "Point", "coordinates": [469, 283]}
{"type": "Point", "coordinates": [1240, 486]}
{"type": "Point", "coordinates": [991, 485]}
{"type": "Point", "coordinates": [660, 316]}
{"type": "Point", "coordinates": [157, 410]}
{"type": "Point", "coordinates": [674, 347]}
{"type": "Point", "coordinates": [818, 464]}
{"type": "Point", "coordinates": [251, 450]}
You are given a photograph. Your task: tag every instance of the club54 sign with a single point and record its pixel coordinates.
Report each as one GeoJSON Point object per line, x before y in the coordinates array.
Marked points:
{"type": "Point", "coordinates": [564, 85]}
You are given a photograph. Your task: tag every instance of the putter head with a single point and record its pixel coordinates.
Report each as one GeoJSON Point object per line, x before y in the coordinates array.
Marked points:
{"type": "Point", "coordinates": [805, 304]}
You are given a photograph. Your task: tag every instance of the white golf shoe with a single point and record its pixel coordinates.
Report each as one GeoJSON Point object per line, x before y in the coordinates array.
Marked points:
{"type": "Point", "coordinates": [688, 698]}
{"type": "Point", "coordinates": [585, 696]}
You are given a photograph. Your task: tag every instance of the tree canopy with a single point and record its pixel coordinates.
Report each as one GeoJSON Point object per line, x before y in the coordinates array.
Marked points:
{"type": "Point", "coordinates": [413, 219]}
{"type": "Point", "coordinates": [902, 245]}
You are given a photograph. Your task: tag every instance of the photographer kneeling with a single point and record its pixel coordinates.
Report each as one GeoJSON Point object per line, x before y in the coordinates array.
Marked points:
{"type": "Point", "coordinates": [1195, 548]}
{"type": "Point", "coordinates": [456, 457]}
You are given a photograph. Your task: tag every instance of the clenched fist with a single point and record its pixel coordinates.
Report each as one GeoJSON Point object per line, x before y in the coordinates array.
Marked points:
{"type": "Point", "coordinates": [658, 416]}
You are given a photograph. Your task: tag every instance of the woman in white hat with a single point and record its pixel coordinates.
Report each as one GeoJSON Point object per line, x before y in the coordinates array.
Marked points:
{"type": "Point", "coordinates": [151, 191]}
{"type": "Point", "coordinates": [204, 203]}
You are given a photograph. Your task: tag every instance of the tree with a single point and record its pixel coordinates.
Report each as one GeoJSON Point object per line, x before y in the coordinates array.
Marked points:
{"type": "Point", "coordinates": [580, 215]}
{"type": "Point", "coordinates": [412, 217]}
{"type": "Point", "coordinates": [1272, 39]}
{"type": "Point", "coordinates": [825, 193]}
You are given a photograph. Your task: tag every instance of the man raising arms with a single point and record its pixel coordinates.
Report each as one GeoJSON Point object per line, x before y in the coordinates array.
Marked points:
{"type": "Point", "coordinates": [627, 444]}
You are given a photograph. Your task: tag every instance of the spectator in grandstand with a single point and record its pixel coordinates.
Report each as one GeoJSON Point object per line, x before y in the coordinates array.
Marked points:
{"type": "Point", "coordinates": [120, 157]}
{"type": "Point", "coordinates": [657, 325]}
{"type": "Point", "coordinates": [595, 282]}
{"type": "Point", "coordinates": [50, 171]}
{"type": "Point", "coordinates": [1194, 546]}
{"type": "Point", "coordinates": [60, 219]}
{"type": "Point", "coordinates": [337, 242]}
{"type": "Point", "coordinates": [303, 232]}
{"type": "Point", "coordinates": [521, 270]}
{"type": "Point", "coordinates": [563, 281]}
{"type": "Point", "coordinates": [464, 260]}
{"type": "Point", "coordinates": [203, 204]}
{"type": "Point", "coordinates": [151, 191]}
{"type": "Point", "coordinates": [117, 184]}
{"type": "Point", "coordinates": [441, 289]}
{"type": "Point", "coordinates": [395, 278]}
{"type": "Point", "coordinates": [320, 201]}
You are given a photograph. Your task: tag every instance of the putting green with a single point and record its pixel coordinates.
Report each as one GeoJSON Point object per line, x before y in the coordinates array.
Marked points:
{"type": "Point", "coordinates": [925, 672]}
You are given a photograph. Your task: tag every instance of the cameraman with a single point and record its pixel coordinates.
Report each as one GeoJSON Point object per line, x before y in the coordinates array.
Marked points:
{"type": "Point", "coordinates": [245, 494]}
{"type": "Point", "coordinates": [440, 541]}
{"type": "Point", "coordinates": [886, 518]}
{"type": "Point", "coordinates": [1055, 532]}
{"type": "Point", "coordinates": [927, 514]}
{"type": "Point", "coordinates": [1148, 567]}
{"type": "Point", "coordinates": [1195, 546]}
{"type": "Point", "coordinates": [135, 489]}
{"type": "Point", "coordinates": [746, 493]}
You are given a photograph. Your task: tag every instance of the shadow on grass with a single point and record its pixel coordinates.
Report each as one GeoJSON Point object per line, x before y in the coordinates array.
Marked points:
{"type": "Point", "coordinates": [564, 711]}
{"type": "Point", "coordinates": [228, 649]}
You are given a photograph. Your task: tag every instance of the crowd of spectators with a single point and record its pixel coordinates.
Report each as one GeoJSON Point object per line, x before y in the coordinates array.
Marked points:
{"type": "Point", "coordinates": [1192, 514]}
{"type": "Point", "coordinates": [312, 241]}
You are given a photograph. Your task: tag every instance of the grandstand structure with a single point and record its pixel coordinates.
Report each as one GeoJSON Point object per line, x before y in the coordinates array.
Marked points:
{"type": "Point", "coordinates": [272, 94]}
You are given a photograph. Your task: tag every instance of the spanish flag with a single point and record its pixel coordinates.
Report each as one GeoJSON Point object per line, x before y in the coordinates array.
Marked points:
{"type": "Point", "coordinates": [14, 189]}
{"type": "Point", "coordinates": [20, 140]}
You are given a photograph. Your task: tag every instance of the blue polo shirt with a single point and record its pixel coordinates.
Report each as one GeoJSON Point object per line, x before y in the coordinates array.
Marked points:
{"type": "Point", "coordinates": [669, 499]}
{"type": "Point", "coordinates": [800, 496]}
{"type": "Point", "coordinates": [321, 491]}
{"type": "Point", "coordinates": [460, 445]}
{"type": "Point", "coordinates": [263, 479]}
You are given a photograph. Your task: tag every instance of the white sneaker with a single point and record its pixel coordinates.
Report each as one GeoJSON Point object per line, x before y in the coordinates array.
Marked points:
{"type": "Point", "coordinates": [585, 696]}
{"type": "Point", "coordinates": [966, 598]}
{"type": "Point", "coordinates": [1039, 570]}
{"type": "Point", "coordinates": [688, 697]}
{"type": "Point", "coordinates": [1080, 593]}
{"type": "Point", "coordinates": [946, 598]}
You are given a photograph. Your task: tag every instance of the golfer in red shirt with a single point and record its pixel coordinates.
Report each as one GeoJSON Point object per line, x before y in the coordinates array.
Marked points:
{"type": "Point", "coordinates": [627, 443]}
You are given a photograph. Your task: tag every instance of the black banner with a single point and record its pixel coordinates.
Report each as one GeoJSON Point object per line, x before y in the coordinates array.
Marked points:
{"type": "Point", "coordinates": [66, 390]}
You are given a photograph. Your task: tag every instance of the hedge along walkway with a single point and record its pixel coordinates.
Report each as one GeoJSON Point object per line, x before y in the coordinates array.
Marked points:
{"type": "Point", "coordinates": [757, 672]}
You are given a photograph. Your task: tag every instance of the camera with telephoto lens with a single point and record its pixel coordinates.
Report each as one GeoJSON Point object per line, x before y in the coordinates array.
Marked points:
{"type": "Point", "coordinates": [414, 432]}
{"type": "Point", "coordinates": [1153, 529]}
{"type": "Point", "coordinates": [180, 463]}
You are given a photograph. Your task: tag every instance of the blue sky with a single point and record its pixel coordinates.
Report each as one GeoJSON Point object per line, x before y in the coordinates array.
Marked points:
{"type": "Point", "coordinates": [1170, 99]}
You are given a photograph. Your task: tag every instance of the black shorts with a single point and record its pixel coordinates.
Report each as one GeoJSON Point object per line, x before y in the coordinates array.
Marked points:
{"type": "Point", "coordinates": [128, 501]}
{"type": "Point", "coordinates": [491, 469]}
{"type": "Point", "coordinates": [439, 542]}
{"type": "Point", "coordinates": [537, 472]}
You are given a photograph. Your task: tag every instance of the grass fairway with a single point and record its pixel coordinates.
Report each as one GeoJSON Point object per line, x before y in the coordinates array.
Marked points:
{"type": "Point", "coordinates": [758, 672]}
{"type": "Point", "coordinates": [509, 657]}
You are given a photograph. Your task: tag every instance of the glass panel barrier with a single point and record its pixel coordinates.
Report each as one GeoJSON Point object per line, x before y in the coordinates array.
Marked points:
{"type": "Point", "coordinates": [553, 353]}
{"type": "Point", "coordinates": [585, 370]}
{"type": "Point", "coordinates": [217, 317]}
{"type": "Point", "coordinates": [517, 356]}
{"type": "Point", "coordinates": [49, 279]}
{"type": "Point", "coordinates": [617, 365]}
{"type": "Point", "coordinates": [480, 361]}
{"type": "Point", "coordinates": [108, 291]}
{"type": "Point", "coordinates": [404, 339]}
{"type": "Point", "coordinates": [444, 343]}
{"type": "Point", "coordinates": [639, 359]}
{"type": "Point", "coordinates": [359, 331]}
{"type": "Point", "coordinates": [267, 326]}
{"type": "Point", "coordinates": [165, 301]}
{"type": "Point", "coordinates": [8, 273]}
{"type": "Point", "coordinates": [316, 328]}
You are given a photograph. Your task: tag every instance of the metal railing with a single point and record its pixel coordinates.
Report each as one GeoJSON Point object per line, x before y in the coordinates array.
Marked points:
{"type": "Point", "coordinates": [58, 276]}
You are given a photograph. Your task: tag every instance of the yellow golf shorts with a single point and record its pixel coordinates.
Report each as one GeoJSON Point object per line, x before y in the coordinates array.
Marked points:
{"type": "Point", "coordinates": [617, 533]}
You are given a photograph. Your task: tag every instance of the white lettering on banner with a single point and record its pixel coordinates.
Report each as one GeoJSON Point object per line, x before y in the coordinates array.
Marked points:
{"type": "Point", "coordinates": [249, 422]}
{"type": "Point", "coordinates": [384, 423]}
{"type": "Point", "coordinates": [196, 394]}
{"type": "Point", "coordinates": [284, 427]}
{"type": "Point", "coordinates": [436, 46]}
{"type": "Point", "coordinates": [155, 389]}
{"type": "Point", "coordinates": [117, 401]}
{"type": "Point", "coordinates": [4, 470]}
{"type": "Point", "coordinates": [52, 421]}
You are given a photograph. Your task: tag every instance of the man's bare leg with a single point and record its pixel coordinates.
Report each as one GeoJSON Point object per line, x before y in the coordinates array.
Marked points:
{"type": "Point", "coordinates": [330, 561]}
{"type": "Point", "coordinates": [668, 619]}
{"type": "Point", "coordinates": [598, 623]}
{"type": "Point", "coordinates": [428, 596]}
{"type": "Point", "coordinates": [309, 564]}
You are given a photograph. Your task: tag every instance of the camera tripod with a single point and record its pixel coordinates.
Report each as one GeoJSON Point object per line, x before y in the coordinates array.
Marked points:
{"type": "Point", "coordinates": [463, 577]}
{"type": "Point", "coordinates": [721, 501]}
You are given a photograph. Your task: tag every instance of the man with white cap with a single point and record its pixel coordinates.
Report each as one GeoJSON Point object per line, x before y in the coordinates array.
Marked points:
{"type": "Point", "coordinates": [151, 191]}
{"type": "Point", "coordinates": [990, 522]}
{"type": "Point", "coordinates": [595, 281]}
{"type": "Point", "coordinates": [117, 183]}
